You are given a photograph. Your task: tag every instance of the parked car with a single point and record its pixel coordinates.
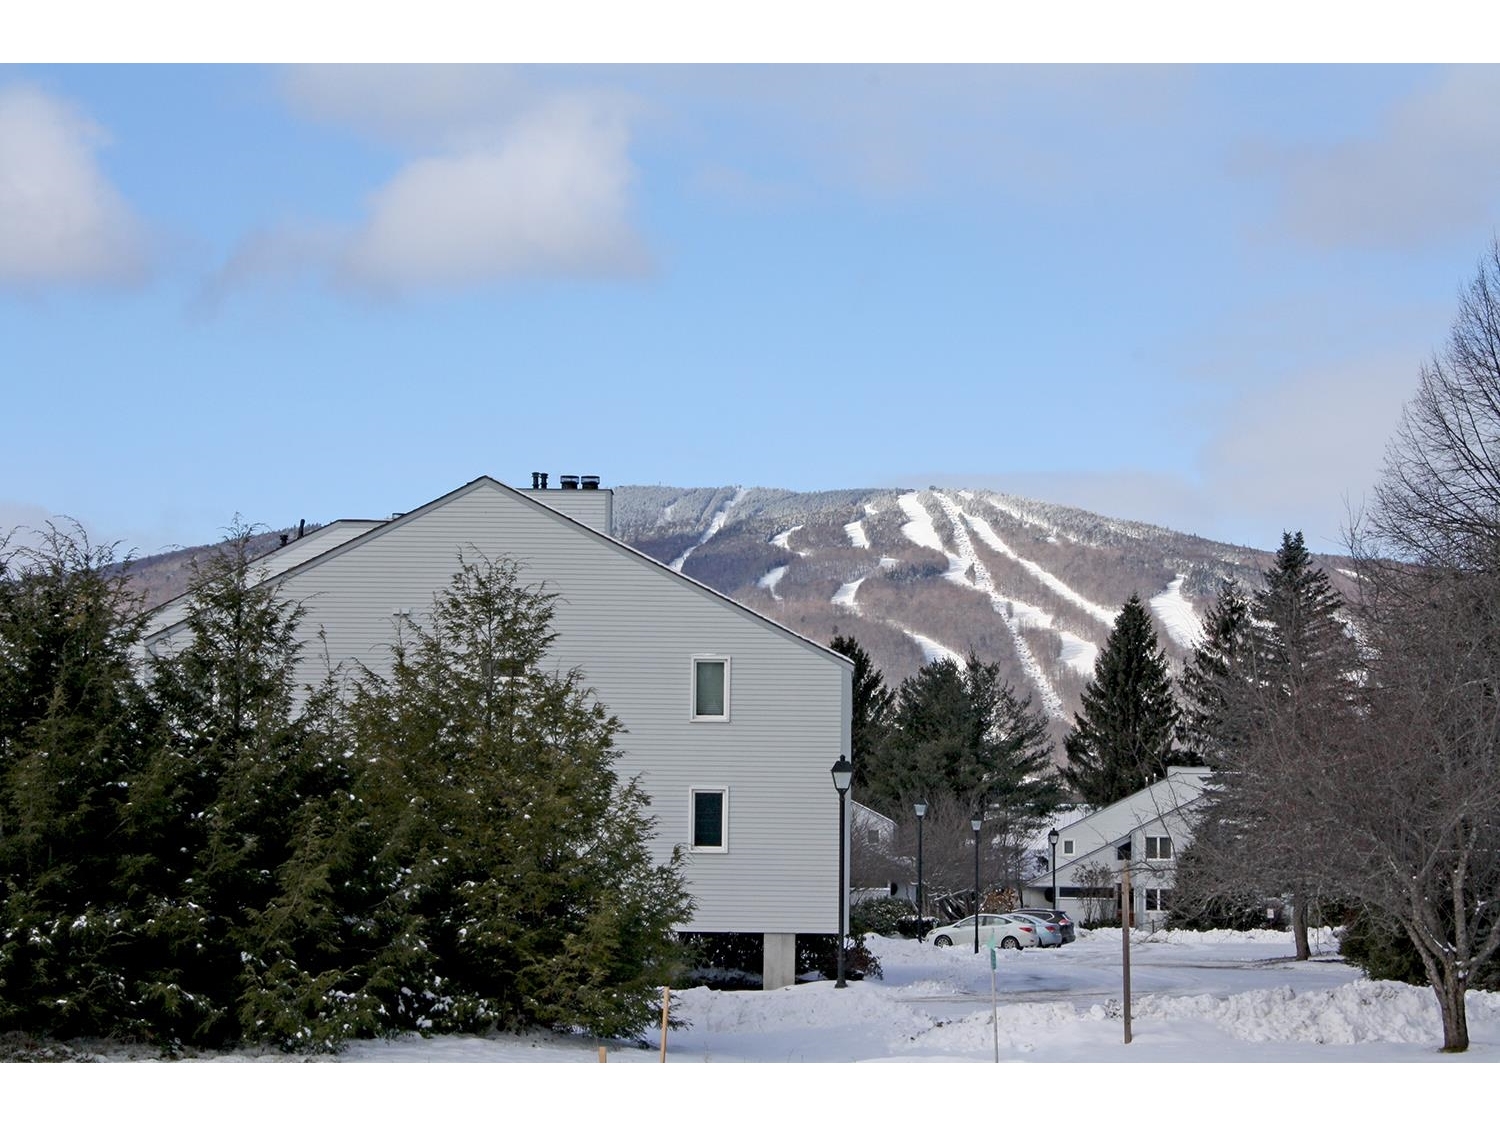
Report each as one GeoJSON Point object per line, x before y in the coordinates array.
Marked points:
{"type": "Point", "coordinates": [1009, 931]}
{"type": "Point", "coordinates": [1052, 915]}
{"type": "Point", "coordinates": [1047, 933]}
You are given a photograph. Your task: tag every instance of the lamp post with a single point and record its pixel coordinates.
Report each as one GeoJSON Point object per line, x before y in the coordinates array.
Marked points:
{"type": "Point", "coordinates": [975, 823]}
{"type": "Point", "coordinates": [843, 774]}
{"type": "Point", "coordinates": [1052, 840]}
{"type": "Point", "coordinates": [921, 810]}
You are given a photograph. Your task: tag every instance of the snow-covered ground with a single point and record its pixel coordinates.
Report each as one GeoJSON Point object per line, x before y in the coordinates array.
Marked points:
{"type": "Point", "coordinates": [1207, 1000]}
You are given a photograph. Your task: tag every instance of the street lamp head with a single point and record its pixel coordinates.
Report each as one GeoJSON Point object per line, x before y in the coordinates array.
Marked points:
{"type": "Point", "coordinates": [921, 809]}
{"type": "Point", "coordinates": [975, 823]}
{"type": "Point", "coordinates": [843, 774]}
{"type": "Point", "coordinates": [1052, 838]}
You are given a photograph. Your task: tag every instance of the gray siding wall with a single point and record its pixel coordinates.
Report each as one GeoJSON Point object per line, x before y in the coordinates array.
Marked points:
{"type": "Point", "coordinates": [633, 627]}
{"type": "Point", "coordinates": [594, 507]}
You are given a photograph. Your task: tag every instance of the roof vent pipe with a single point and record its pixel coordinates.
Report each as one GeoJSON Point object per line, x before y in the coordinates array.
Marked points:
{"type": "Point", "coordinates": [568, 481]}
{"type": "Point", "coordinates": [301, 528]}
{"type": "Point", "coordinates": [535, 477]}
{"type": "Point", "coordinates": [590, 481]}
{"type": "Point", "coordinates": [543, 477]}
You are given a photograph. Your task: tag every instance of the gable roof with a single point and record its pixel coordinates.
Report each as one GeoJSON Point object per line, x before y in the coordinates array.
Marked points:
{"type": "Point", "coordinates": [381, 528]}
{"type": "Point", "coordinates": [1183, 787]}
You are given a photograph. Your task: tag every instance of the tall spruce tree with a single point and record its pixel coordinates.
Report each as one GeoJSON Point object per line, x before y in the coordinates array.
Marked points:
{"type": "Point", "coordinates": [872, 706]}
{"type": "Point", "coordinates": [1123, 740]}
{"type": "Point", "coordinates": [213, 811]}
{"type": "Point", "coordinates": [1211, 677]}
{"type": "Point", "coordinates": [487, 866]}
{"type": "Point", "coordinates": [1298, 690]}
{"type": "Point", "coordinates": [71, 721]}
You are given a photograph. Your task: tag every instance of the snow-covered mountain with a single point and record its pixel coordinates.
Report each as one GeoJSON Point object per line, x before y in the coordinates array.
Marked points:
{"type": "Point", "coordinates": [917, 575]}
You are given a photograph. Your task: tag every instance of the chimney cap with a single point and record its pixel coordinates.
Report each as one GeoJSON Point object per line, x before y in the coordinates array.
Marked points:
{"type": "Point", "coordinates": [589, 481]}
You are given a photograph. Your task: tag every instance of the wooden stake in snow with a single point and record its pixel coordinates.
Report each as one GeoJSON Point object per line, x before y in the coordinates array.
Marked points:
{"type": "Point", "coordinates": [666, 1001]}
{"type": "Point", "coordinates": [603, 1054]}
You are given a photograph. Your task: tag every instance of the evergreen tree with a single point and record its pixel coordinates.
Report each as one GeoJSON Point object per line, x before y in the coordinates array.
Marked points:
{"type": "Point", "coordinates": [216, 805]}
{"type": "Point", "coordinates": [1270, 696]}
{"type": "Point", "coordinates": [873, 702]}
{"type": "Point", "coordinates": [1123, 739]}
{"type": "Point", "coordinates": [70, 719]}
{"type": "Point", "coordinates": [486, 866]}
{"type": "Point", "coordinates": [1298, 691]}
{"type": "Point", "coordinates": [961, 731]}
{"type": "Point", "coordinates": [1211, 675]}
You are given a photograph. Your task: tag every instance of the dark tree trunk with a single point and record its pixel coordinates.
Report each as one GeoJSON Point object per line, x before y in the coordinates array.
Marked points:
{"type": "Point", "coordinates": [1450, 993]}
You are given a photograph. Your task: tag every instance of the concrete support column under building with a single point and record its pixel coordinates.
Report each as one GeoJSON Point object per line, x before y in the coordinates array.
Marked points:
{"type": "Point", "coordinates": [779, 967]}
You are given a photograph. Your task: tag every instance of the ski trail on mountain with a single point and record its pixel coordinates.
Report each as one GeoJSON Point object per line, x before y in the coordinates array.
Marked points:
{"type": "Point", "coordinates": [920, 529]}
{"type": "Point", "coordinates": [932, 651]}
{"type": "Point", "coordinates": [1014, 614]}
{"type": "Point", "coordinates": [1044, 576]}
{"type": "Point", "coordinates": [1177, 615]}
{"type": "Point", "coordinates": [769, 580]}
{"type": "Point", "coordinates": [845, 595]}
{"type": "Point", "coordinates": [856, 533]}
{"type": "Point", "coordinates": [714, 526]}
{"type": "Point", "coordinates": [783, 540]}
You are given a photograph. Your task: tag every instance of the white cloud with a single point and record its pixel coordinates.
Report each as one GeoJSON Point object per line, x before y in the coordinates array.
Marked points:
{"type": "Point", "coordinates": [551, 197]}
{"type": "Point", "coordinates": [61, 221]}
{"type": "Point", "coordinates": [502, 181]}
{"type": "Point", "coordinates": [1431, 169]}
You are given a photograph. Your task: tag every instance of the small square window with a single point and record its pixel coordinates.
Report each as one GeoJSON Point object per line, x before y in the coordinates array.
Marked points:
{"type": "Point", "coordinates": [1158, 848]}
{"type": "Point", "coordinates": [1158, 899]}
{"type": "Point", "coordinates": [711, 688]}
{"type": "Point", "coordinates": [1067, 848]}
{"type": "Point", "coordinates": [710, 820]}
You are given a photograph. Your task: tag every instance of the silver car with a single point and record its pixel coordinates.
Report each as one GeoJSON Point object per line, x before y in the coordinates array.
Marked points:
{"type": "Point", "coordinates": [1047, 932]}
{"type": "Point", "coordinates": [1009, 931]}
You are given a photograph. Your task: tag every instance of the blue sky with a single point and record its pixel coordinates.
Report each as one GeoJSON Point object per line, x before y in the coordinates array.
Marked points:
{"type": "Point", "coordinates": [1194, 295]}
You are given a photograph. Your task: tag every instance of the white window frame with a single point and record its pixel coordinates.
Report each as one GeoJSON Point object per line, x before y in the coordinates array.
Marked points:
{"type": "Point", "coordinates": [1148, 894]}
{"type": "Point", "coordinates": [693, 793]}
{"type": "Point", "coordinates": [705, 658]}
{"type": "Point", "coordinates": [1153, 844]}
{"type": "Point", "coordinates": [1067, 846]}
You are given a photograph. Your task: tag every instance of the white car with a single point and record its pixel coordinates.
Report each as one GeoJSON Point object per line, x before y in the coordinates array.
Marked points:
{"type": "Point", "coordinates": [1009, 931]}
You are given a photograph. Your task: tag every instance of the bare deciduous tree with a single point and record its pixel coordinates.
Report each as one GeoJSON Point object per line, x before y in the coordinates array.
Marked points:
{"type": "Point", "coordinates": [1439, 498]}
